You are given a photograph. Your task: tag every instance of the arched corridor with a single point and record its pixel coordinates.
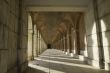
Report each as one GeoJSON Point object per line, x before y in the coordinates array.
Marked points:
{"type": "Point", "coordinates": [54, 36]}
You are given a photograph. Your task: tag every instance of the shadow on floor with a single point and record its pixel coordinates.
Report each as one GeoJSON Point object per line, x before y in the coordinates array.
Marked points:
{"type": "Point", "coordinates": [65, 68]}
{"type": "Point", "coordinates": [58, 64]}
{"type": "Point", "coordinates": [33, 70]}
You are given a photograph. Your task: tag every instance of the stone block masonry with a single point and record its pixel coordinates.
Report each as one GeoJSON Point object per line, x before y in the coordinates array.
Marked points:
{"type": "Point", "coordinates": [9, 22]}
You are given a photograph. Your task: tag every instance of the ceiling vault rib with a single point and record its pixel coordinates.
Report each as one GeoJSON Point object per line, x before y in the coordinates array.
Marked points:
{"type": "Point", "coordinates": [52, 25]}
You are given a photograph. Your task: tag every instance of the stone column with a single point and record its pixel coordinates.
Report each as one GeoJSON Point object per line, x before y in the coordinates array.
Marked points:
{"type": "Point", "coordinates": [35, 40]}
{"type": "Point", "coordinates": [99, 35]}
{"type": "Point", "coordinates": [32, 58]}
{"type": "Point", "coordinates": [19, 38]}
{"type": "Point", "coordinates": [66, 43]}
{"type": "Point", "coordinates": [67, 37]}
{"type": "Point", "coordinates": [41, 44]}
{"type": "Point", "coordinates": [62, 43]}
{"type": "Point", "coordinates": [73, 40]}
{"type": "Point", "coordinates": [37, 44]}
{"type": "Point", "coordinates": [70, 41]}
{"type": "Point", "coordinates": [76, 42]}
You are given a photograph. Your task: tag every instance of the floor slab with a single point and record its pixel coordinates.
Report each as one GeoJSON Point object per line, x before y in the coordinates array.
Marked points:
{"type": "Point", "coordinates": [55, 61]}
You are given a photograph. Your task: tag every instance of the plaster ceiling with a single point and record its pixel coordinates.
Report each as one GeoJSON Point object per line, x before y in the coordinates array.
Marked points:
{"type": "Point", "coordinates": [58, 2]}
{"type": "Point", "coordinates": [57, 5]}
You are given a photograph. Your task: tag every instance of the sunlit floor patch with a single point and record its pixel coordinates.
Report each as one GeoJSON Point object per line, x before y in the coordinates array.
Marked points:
{"type": "Point", "coordinates": [59, 57]}
{"type": "Point", "coordinates": [65, 63]}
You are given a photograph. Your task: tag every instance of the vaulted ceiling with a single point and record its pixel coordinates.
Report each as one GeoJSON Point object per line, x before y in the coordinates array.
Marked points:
{"type": "Point", "coordinates": [53, 24]}
{"type": "Point", "coordinates": [54, 17]}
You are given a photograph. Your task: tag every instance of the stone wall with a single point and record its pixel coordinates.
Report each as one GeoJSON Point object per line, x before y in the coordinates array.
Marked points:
{"type": "Point", "coordinates": [104, 17]}
{"type": "Point", "coordinates": [9, 22]}
{"type": "Point", "coordinates": [91, 32]}
{"type": "Point", "coordinates": [92, 36]}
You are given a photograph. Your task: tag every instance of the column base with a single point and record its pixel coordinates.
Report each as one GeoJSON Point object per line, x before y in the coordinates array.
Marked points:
{"type": "Point", "coordinates": [80, 57]}
{"type": "Point", "coordinates": [91, 62]}
{"type": "Point", "coordinates": [107, 66]}
{"type": "Point", "coordinates": [63, 51]}
{"type": "Point", "coordinates": [66, 53]}
{"type": "Point", "coordinates": [71, 54]}
{"type": "Point", "coordinates": [83, 53]}
{"type": "Point", "coordinates": [94, 63]}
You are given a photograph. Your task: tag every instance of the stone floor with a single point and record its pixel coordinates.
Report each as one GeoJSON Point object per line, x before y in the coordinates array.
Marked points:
{"type": "Point", "coordinates": [55, 61]}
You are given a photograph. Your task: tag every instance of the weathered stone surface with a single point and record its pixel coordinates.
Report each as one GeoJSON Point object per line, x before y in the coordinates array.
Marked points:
{"type": "Point", "coordinates": [3, 61]}
{"type": "Point", "coordinates": [10, 41]}
{"type": "Point", "coordinates": [1, 36]}
{"type": "Point", "coordinates": [104, 8]}
{"type": "Point", "coordinates": [9, 10]}
{"type": "Point", "coordinates": [92, 40]}
{"type": "Point", "coordinates": [105, 23]}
